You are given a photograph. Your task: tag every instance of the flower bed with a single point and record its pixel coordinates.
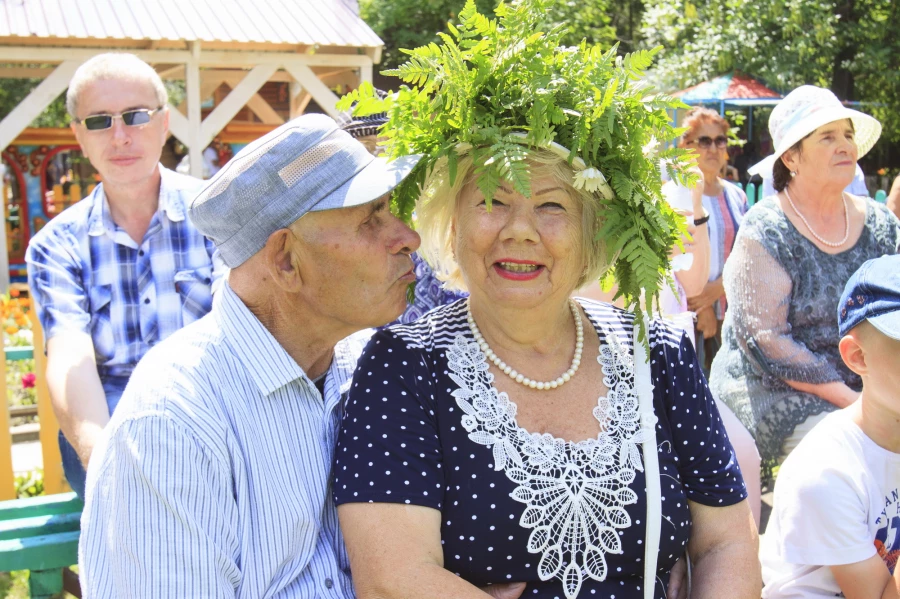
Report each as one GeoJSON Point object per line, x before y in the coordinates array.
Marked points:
{"type": "Point", "coordinates": [20, 375]}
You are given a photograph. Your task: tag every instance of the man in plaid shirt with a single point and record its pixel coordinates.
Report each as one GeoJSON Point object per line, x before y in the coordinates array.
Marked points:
{"type": "Point", "coordinates": [124, 268]}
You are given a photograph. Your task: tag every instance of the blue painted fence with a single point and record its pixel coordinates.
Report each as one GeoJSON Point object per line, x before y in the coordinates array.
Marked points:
{"type": "Point", "coordinates": [754, 194]}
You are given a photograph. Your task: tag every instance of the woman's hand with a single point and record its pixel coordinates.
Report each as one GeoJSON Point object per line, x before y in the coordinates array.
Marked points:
{"type": "Point", "coordinates": [707, 324]}
{"type": "Point", "coordinates": [694, 278]}
{"type": "Point", "coordinates": [711, 292]}
{"type": "Point", "coordinates": [697, 193]}
{"type": "Point", "coordinates": [678, 586]}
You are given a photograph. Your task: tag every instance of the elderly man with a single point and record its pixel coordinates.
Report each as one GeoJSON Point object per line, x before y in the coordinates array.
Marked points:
{"type": "Point", "coordinates": [123, 269]}
{"type": "Point", "coordinates": [213, 477]}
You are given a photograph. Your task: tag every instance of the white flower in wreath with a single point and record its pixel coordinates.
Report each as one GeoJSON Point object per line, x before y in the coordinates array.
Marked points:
{"type": "Point", "coordinates": [591, 179]}
{"type": "Point", "coordinates": [651, 148]}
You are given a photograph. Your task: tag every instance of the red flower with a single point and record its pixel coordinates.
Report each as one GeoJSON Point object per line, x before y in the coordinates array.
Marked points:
{"type": "Point", "coordinates": [28, 380]}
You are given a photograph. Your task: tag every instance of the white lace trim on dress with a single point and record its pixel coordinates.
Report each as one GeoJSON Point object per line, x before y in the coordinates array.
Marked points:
{"type": "Point", "coordinates": [574, 493]}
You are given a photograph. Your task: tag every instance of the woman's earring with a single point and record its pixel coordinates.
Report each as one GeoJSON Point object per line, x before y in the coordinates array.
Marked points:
{"type": "Point", "coordinates": [793, 174]}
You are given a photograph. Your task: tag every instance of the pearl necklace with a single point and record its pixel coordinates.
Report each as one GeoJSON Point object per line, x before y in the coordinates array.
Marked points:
{"type": "Point", "coordinates": [816, 235]}
{"type": "Point", "coordinates": [520, 378]}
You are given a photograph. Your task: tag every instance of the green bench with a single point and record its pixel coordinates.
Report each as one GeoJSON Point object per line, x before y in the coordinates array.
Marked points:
{"type": "Point", "coordinates": [40, 534]}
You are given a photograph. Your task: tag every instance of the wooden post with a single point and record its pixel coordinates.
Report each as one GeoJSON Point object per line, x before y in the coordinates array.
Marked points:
{"type": "Point", "coordinates": [296, 91]}
{"type": "Point", "coordinates": [7, 478]}
{"type": "Point", "coordinates": [365, 73]}
{"type": "Point", "coordinates": [54, 479]}
{"type": "Point", "coordinates": [194, 118]}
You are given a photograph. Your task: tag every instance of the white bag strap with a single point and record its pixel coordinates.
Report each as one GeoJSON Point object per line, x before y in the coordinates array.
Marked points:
{"type": "Point", "coordinates": [643, 388]}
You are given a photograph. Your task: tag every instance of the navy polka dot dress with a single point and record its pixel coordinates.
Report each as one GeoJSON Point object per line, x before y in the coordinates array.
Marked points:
{"type": "Point", "coordinates": [423, 425]}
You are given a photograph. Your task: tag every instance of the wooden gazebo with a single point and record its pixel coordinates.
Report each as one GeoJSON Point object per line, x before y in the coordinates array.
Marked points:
{"type": "Point", "coordinates": [312, 45]}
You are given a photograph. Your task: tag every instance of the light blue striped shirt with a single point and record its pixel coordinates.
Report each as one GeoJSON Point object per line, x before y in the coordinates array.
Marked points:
{"type": "Point", "coordinates": [213, 477]}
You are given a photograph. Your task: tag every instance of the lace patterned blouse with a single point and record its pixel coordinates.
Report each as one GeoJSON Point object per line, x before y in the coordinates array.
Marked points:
{"type": "Point", "coordinates": [424, 425]}
{"type": "Point", "coordinates": [781, 323]}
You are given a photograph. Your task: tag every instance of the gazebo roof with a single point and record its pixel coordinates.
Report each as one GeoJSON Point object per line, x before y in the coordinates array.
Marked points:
{"type": "Point", "coordinates": [315, 46]}
{"type": "Point", "coordinates": [278, 25]}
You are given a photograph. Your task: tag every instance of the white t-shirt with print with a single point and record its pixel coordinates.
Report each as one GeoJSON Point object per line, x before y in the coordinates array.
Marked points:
{"type": "Point", "coordinates": [836, 502]}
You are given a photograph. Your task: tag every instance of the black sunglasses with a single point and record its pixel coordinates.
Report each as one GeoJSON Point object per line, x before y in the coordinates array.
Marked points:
{"type": "Point", "coordinates": [704, 142]}
{"type": "Point", "coordinates": [132, 118]}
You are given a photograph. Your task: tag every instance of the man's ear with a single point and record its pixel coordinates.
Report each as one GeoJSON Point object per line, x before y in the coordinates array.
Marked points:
{"type": "Point", "coordinates": [853, 353]}
{"type": "Point", "coordinates": [280, 260]}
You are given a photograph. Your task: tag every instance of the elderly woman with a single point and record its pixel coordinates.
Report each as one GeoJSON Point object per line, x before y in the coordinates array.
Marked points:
{"type": "Point", "coordinates": [726, 203]}
{"type": "Point", "coordinates": [499, 439]}
{"type": "Point", "coordinates": [779, 369]}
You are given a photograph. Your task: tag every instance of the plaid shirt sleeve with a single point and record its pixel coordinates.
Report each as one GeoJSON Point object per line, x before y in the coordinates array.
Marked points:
{"type": "Point", "coordinates": [54, 277]}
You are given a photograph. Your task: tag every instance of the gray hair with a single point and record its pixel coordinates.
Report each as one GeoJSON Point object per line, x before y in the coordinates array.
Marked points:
{"type": "Point", "coordinates": [114, 65]}
{"type": "Point", "coordinates": [436, 209]}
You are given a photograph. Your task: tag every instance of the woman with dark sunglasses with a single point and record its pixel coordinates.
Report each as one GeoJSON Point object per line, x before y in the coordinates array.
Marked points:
{"type": "Point", "coordinates": [726, 203]}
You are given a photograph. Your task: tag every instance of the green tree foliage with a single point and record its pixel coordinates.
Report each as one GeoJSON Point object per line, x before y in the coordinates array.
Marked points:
{"type": "Point", "coordinates": [13, 91]}
{"type": "Point", "coordinates": [411, 23]}
{"type": "Point", "coordinates": [415, 23]}
{"type": "Point", "coordinates": [849, 46]}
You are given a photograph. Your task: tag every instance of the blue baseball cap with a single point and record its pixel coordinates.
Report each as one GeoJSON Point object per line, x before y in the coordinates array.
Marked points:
{"type": "Point", "coordinates": [873, 294]}
{"type": "Point", "coordinates": [305, 165]}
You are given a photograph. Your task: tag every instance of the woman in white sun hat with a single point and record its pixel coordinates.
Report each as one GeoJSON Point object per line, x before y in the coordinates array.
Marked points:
{"type": "Point", "coordinates": [779, 368]}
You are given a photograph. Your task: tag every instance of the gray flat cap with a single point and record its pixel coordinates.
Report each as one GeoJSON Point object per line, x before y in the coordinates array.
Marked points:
{"type": "Point", "coordinates": [305, 165]}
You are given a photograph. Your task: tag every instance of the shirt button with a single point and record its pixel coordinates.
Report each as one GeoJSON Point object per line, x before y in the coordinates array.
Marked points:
{"type": "Point", "coordinates": [146, 300]}
{"type": "Point", "coordinates": [141, 253]}
{"type": "Point", "coordinates": [328, 583]}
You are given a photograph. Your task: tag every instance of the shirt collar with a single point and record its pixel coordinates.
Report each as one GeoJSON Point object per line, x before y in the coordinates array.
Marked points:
{"type": "Point", "coordinates": [264, 358]}
{"type": "Point", "coordinates": [97, 224]}
{"type": "Point", "coordinates": [170, 202]}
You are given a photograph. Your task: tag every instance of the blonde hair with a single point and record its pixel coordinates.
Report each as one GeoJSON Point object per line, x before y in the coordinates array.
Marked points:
{"type": "Point", "coordinates": [114, 65]}
{"type": "Point", "coordinates": [436, 210]}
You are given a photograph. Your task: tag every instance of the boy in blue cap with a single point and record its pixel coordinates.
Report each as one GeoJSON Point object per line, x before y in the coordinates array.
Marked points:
{"type": "Point", "coordinates": [835, 528]}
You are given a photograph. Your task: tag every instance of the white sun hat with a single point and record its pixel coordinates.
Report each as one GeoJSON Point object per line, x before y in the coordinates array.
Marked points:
{"type": "Point", "coordinates": [803, 111]}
